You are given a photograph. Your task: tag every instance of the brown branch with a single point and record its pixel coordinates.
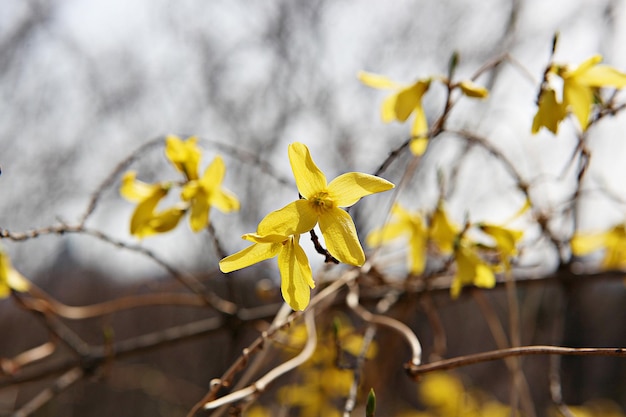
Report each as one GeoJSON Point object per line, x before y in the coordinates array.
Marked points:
{"type": "Point", "coordinates": [446, 364]}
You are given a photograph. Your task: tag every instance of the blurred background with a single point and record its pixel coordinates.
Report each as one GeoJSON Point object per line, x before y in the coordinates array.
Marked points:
{"type": "Point", "coordinates": [83, 84]}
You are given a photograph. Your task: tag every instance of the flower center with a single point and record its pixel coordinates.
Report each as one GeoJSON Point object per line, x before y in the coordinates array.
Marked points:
{"type": "Point", "coordinates": [322, 202]}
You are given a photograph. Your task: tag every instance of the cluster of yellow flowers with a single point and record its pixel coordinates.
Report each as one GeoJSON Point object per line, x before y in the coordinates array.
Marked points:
{"type": "Point", "coordinates": [198, 194]}
{"type": "Point", "coordinates": [450, 239]}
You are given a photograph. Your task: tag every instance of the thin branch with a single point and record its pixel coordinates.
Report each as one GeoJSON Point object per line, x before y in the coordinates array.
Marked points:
{"type": "Point", "coordinates": [446, 364]}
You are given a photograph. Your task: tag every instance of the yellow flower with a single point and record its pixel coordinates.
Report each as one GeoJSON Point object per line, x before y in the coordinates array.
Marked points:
{"type": "Point", "coordinates": [471, 89]}
{"type": "Point", "coordinates": [550, 112]}
{"type": "Point", "coordinates": [506, 241]}
{"type": "Point", "coordinates": [442, 231]}
{"type": "Point", "coordinates": [400, 105]}
{"type": "Point", "coordinates": [295, 271]}
{"type": "Point", "coordinates": [206, 192]}
{"type": "Point", "coordinates": [613, 241]}
{"type": "Point", "coordinates": [184, 155]}
{"type": "Point", "coordinates": [405, 224]}
{"type": "Point", "coordinates": [579, 85]}
{"type": "Point", "coordinates": [10, 279]}
{"type": "Point", "coordinates": [321, 204]}
{"type": "Point", "coordinates": [145, 222]}
{"type": "Point", "coordinates": [470, 269]}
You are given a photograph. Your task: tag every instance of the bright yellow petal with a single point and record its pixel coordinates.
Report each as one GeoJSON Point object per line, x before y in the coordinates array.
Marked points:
{"type": "Point", "coordinates": [340, 237]}
{"type": "Point", "coordinates": [579, 98]}
{"type": "Point", "coordinates": [9, 277]}
{"type": "Point", "coordinates": [584, 244]}
{"type": "Point", "coordinates": [419, 128]}
{"type": "Point", "coordinates": [388, 108]}
{"type": "Point", "coordinates": [442, 231]}
{"type": "Point", "coordinates": [471, 270]}
{"type": "Point", "coordinates": [135, 190]}
{"type": "Point", "coordinates": [199, 216]}
{"type": "Point", "coordinates": [249, 256]}
{"type": "Point", "coordinates": [417, 252]}
{"type": "Point", "coordinates": [224, 200]}
{"type": "Point", "coordinates": [348, 188]}
{"type": "Point", "coordinates": [388, 232]}
{"type": "Point", "coordinates": [602, 76]}
{"type": "Point", "coordinates": [549, 113]}
{"type": "Point", "coordinates": [214, 174]}
{"type": "Point", "coordinates": [295, 218]}
{"type": "Point", "coordinates": [471, 89]}
{"type": "Point", "coordinates": [410, 98]}
{"type": "Point", "coordinates": [253, 237]}
{"type": "Point", "coordinates": [184, 155]}
{"type": "Point", "coordinates": [140, 221]}
{"type": "Point", "coordinates": [506, 239]}
{"type": "Point", "coordinates": [166, 220]}
{"type": "Point", "coordinates": [418, 146]}
{"type": "Point", "coordinates": [309, 179]}
{"type": "Point", "coordinates": [296, 276]}
{"type": "Point", "coordinates": [376, 81]}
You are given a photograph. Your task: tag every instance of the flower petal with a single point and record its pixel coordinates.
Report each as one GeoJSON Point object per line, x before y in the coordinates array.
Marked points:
{"type": "Point", "coordinates": [602, 76]}
{"type": "Point", "coordinates": [224, 200]}
{"type": "Point", "coordinates": [213, 174]}
{"type": "Point", "coordinates": [199, 217]}
{"type": "Point", "coordinates": [309, 179]}
{"type": "Point", "coordinates": [419, 128]}
{"type": "Point", "coordinates": [296, 276]}
{"type": "Point", "coordinates": [375, 80]}
{"type": "Point", "coordinates": [580, 99]}
{"type": "Point", "coordinates": [442, 231]}
{"type": "Point", "coordinates": [249, 256]}
{"type": "Point", "coordinates": [549, 113]}
{"type": "Point", "coordinates": [471, 89]}
{"type": "Point", "coordinates": [253, 237]}
{"type": "Point", "coordinates": [418, 146]}
{"type": "Point", "coordinates": [340, 236]}
{"type": "Point", "coordinates": [295, 218]}
{"type": "Point", "coordinates": [135, 190]}
{"type": "Point", "coordinates": [410, 98]}
{"type": "Point", "coordinates": [348, 188]}
{"type": "Point", "coordinates": [166, 220]}
{"type": "Point", "coordinates": [388, 232]}
{"type": "Point", "coordinates": [184, 155]}
{"type": "Point", "coordinates": [585, 244]}
{"type": "Point", "coordinates": [140, 221]}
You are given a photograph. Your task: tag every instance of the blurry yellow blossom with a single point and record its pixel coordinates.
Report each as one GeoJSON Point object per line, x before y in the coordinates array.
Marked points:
{"type": "Point", "coordinates": [612, 241]}
{"type": "Point", "coordinates": [580, 86]}
{"type": "Point", "coordinates": [470, 269]}
{"type": "Point", "coordinates": [471, 89]}
{"type": "Point", "coordinates": [443, 232]}
{"type": "Point", "coordinates": [406, 100]}
{"type": "Point", "coordinates": [295, 271]}
{"type": "Point", "coordinates": [408, 224]}
{"type": "Point", "coordinates": [257, 411]}
{"type": "Point", "coordinates": [184, 155]}
{"type": "Point", "coordinates": [550, 112]}
{"type": "Point", "coordinates": [321, 204]}
{"type": "Point", "coordinates": [208, 192]}
{"type": "Point", "coordinates": [10, 278]}
{"type": "Point", "coordinates": [145, 221]}
{"type": "Point", "coordinates": [506, 241]}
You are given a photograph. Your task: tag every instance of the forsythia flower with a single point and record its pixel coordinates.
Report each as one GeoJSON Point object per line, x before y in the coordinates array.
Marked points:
{"type": "Point", "coordinates": [579, 88]}
{"type": "Point", "coordinates": [470, 269]}
{"type": "Point", "coordinates": [400, 105]}
{"type": "Point", "coordinates": [198, 194]}
{"type": "Point", "coordinates": [145, 222]}
{"type": "Point", "coordinates": [295, 271]}
{"type": "Point", "coordinates": [613, 241]}
{"type": "Point", "coordinates": [206, 192]}
{"type": "Point", "coordinates": [442, 231]}
{"type": "Point", "coordinates": [506, 241]}
{"type": "Point", "coordinates": [10, 279]}
{"type": "Point", "coordinates": [321, 204]}
{"type": "Point", "coordinates": [405, 224]}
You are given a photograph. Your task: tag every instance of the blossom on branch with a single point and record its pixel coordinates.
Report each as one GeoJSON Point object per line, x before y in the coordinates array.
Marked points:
{"type": "Point", "coordinates": [10, 278]}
